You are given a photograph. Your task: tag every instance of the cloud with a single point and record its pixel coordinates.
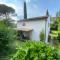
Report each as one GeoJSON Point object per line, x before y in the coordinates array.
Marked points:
{"type": "Point", "coordinates": [13, 5]}
{"type": "Point", "coordinates": [27, 1]}
{"type": "Point", "coordinates": [18, 8]}
{"type": "Point", "coordinates": [8, 4]}
{"type": "Point", "coordinates": [2, 1]}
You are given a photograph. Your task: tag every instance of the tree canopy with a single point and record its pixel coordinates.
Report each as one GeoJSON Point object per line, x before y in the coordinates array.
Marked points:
{"type": "Point", "coordinates": [6, 9]}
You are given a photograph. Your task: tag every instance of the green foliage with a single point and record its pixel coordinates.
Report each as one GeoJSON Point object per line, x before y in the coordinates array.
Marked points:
{"type": "Point", "coordinates": [25, 11]}
{"type": "Point", "coordinates": [7, 35]}
{"type": "Point", "coordinates": [5, 9]}
{"type": "Point", "coordinates": [42, 35]}
{"type": "Point", "coordinates": [58, 14]}
{"type": "Point", "coordinates": [47, 13]}
{"type": "Point", "coordinates": [54, 25]}
{"type": "Point", "coordinates": [55, 29]}
{"type": "Point", "coordinates": [35, 51]}
{"type": "Point", "coordinates": [2, 25]}
{"type": "Point", "coordinates": [8, 23]}
{"type": "Point", "coordinates": [58, 37]}
{"type": "Point", "coordinates": [54, 34]}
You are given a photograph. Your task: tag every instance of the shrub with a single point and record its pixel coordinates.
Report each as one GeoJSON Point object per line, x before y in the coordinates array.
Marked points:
{"type": "Point", "coordinates": [9, 23]}
{"type": "Point", "coordinates": [42, 36]}
{"type": "Point", "coordinates": [58, 37]}
{"type": "Point", "coordinates": [6, 36]}
{"type": "Point", "coordinates": [36, 51]}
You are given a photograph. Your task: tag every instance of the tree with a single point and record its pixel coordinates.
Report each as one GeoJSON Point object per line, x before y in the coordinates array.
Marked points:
{"type": "Point", "coordinates": [55, 30]}
{"type": "Point", "coordinates": [5, 9]}
{"type": "Point", "coordinates": [7, 36]}
{"type": "Point", "coordinates": [54, 25]}
{"type": "Point", "coordinates": [25, 11]}
{"type": "Point", "coordinates": [58, 14]}
{"type": "Point", "coordinates": [47, 13]}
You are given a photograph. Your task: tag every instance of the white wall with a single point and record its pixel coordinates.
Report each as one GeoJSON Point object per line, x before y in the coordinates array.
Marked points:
{"type": "Point", "coordinates": [37, 27]}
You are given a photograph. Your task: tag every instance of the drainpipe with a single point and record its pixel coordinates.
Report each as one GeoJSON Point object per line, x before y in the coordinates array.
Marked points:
{"type": "Point", "coordinates": [45, 31]}
{"type": "Point", "coordinates": [46, 26]}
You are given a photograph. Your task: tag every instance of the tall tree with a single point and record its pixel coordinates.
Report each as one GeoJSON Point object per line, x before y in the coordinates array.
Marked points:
{"type": "Point", "coordinates": [47, 13]}
{"type": "Point", "coordinates": [4, 9]}
{"type": "Point", "coordinates": [25, 11]}
{"type": "Point", "coordinates": [58, 14]}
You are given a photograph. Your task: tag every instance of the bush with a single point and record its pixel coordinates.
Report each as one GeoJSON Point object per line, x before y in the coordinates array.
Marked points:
{"type": "Point", "coordinates": [42, 36]}
{"type": "Point", "coordinates": [58, 37]}
{"type": "Point", "coordinates": [6, 36]}
{"type": "Point", "coordinates": [36, 51]}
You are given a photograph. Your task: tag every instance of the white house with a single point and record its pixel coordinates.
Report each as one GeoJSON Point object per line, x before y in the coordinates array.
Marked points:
{"type": "Point", "coordinates": [31, 27]}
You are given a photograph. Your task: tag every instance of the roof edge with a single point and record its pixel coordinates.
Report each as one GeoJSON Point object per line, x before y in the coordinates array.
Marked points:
{"type": "Point", "coordinates": [34, 18]}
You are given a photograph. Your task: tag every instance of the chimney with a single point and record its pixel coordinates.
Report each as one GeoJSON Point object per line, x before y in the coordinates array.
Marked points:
{"type": "Point", "coordinates": [25, 11]}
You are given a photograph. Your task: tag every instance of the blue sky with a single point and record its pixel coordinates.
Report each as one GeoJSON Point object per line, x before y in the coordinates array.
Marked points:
{"type": "Point", "coordinates": [34, 7]}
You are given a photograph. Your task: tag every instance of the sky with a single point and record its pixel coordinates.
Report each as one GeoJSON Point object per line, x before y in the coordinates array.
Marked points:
{"type": "Point", "coordinates": [34, 7]}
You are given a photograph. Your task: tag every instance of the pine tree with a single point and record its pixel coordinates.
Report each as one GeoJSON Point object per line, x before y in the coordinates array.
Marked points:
{"type": "Point", "coordinates": [47, 13]}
